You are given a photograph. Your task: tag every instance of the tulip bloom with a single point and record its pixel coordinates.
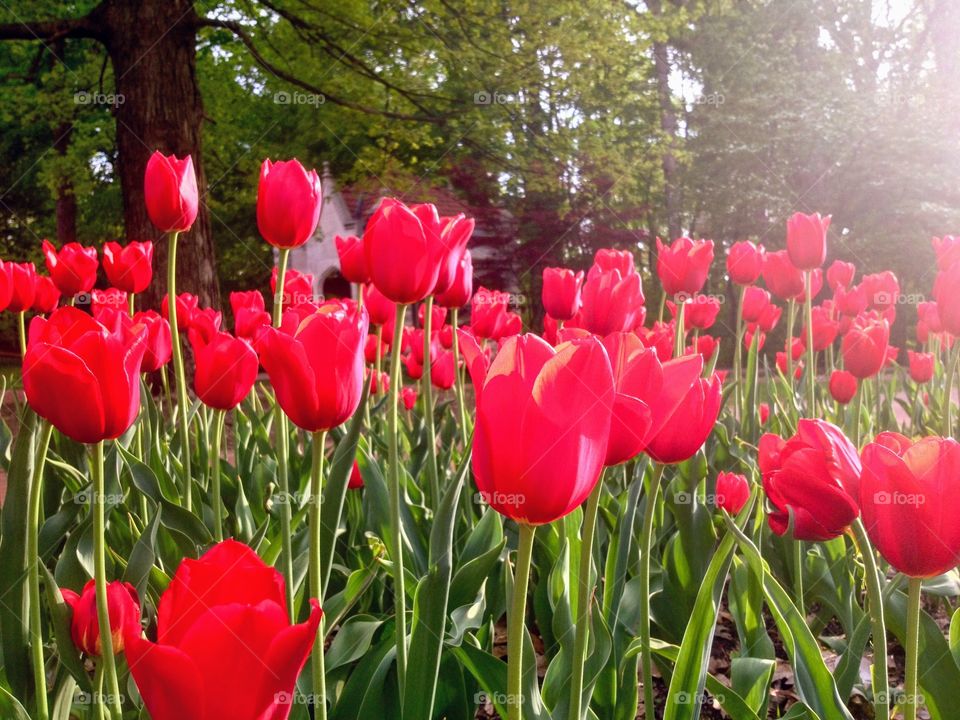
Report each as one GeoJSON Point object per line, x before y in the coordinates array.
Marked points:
{"type": "Point", "coordinates": [461, 289]}
{"type": "Point", "coordinates": [23, 282]}
{"type": "Point", "coordinates": [47, 296]}
{"type": "Point", "coordinates": [825, 328]}
{"type": "Point", "coordinates": [453, 241]}
{"type": "Point", "coordinates": [225, 646]}
{"type": "Point", "coordinates": [123, 606]}
{"type": "Point", "coordinates": [543, 420]}
{"type": "Point", "coordinates": [732, 492]}
{"type": "Point", "coordinates": [382, 311]}
{"type": "Point", "coordinates": [612, 301]}
{"type": "Point", "coordinates": [81, 377]}
{"type": "Point", "coordinates": [683, 266]}
{"type": "Point", "coordinates": [840, 274]}
{"type": "Point", "coordinates": [909, 497]}
{"type": "Point", "coordinates": [816, 475]}
{"type": "Point", "coordinates": [249, 314]}
{"type": "Point", "coordinates": [157, 340]}
{"type": "Point", "coordinates": [781, 276]}
{"type": "Point", "coordinates": [756, 300]}
{"type": "Point", "coordinates": [170, 191]}
{"type": "Point", "coordinates": [488, 313]}
{"type": "Point", "coordinates": [701, 312]}
{"type": "Point", "coordinates": [443, 371]}
{"type": "Point", "coordinates": [561, 292]}
{"type": "Point", "coordinates": [864, 347]}
{"type": "Point", "coordinates": [921, 366]}
{"type": "Point", "coordinates": [683, 412]}
{"type": "Point", "coordinates": [636, 374]}
{"type": "Point", "coordinates": [745, 262]}
{"type": "Point", "coordinates": [288, 203]}
{"type": "Point", "coordinates": [409, 397]}
{"type": "Point", "coordinates": [226, 369]}
{"type": "Point", "coordinates": [403, 256]}
{"type": "Point", "coordinates": [297, 287]}
{"type": "Point", "coordinates": [764, 410]}
{"type": "Point", "coordinates": [807, 240]}
{"type": "Point", "coordinates": [843, 386]}
{"type": "Point", "coordinates": [356, 479]}
{"type": "Point", "coordinates": [947, 250]}
{"type": "Point", "coordinates": [316, 368]}
{"type": "Point", "coordinates": [129, 268]}
{"type": "Point", "coordinates": [353, 260]}
{"type": "Point", "coordinates": [610, 259]}
{"type": "Point", "coordinates": [73, 268]}
{"type": "Point", "coordinates": [187, 306]}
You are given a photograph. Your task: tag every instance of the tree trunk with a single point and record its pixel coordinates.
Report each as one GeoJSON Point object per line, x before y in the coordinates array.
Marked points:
{"type": "Point", "coordinates": [152, 44]}
{"type": "Point", "coordinates": [669, 126]}
{"type": "Point", "coordinates": [66, 200]}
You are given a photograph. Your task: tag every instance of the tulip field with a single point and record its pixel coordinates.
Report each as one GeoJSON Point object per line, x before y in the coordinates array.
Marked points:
{"type": "Point", "coordinates": [421, 503]}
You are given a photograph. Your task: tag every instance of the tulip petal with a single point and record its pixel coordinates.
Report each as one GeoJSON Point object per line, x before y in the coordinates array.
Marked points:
{"type": "Point", "coordinates": [168, 680]}
{"type": "Point", "coordinates": [61, 388]}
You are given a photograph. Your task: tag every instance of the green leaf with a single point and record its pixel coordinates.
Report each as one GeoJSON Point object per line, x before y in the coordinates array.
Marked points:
{"type": "Point", "coordinates": [352, 641]}
{"type": "Point", "coordinates": [143, 556]}
{"type": "Point", "coordinates": [10, 707]}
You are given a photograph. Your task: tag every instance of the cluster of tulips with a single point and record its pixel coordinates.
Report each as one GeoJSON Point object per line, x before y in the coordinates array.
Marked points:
{"type": "Point", "coordinates": [614, 437]}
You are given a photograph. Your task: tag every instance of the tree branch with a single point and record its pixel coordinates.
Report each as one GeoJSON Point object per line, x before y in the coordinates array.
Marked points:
{"type": "Point", "coordinates": [50, 30]}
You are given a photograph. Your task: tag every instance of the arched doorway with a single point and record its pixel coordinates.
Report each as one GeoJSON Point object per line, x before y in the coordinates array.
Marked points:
{"type": "Point", "coordinates": [336, 286]}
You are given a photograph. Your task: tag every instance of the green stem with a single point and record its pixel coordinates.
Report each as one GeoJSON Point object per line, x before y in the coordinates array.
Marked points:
{"type": "Point", "coordinates": [33, 564]}
{"type": "Point", "coordinates": [585, 589]}
{"type": "Point", "coordinates": [873, 580]}
{"type": "Point", "coordinates": [738, 354]}
{"type": "Point", "coordinates": [912, 649]}
{"type": "Point", "coordinates": [954, 355]}
{"type": "Point", "coordinates": [316, 573]}
{"type": "Point", "coordinates": [811, 354]}
{"type": "Point", "coordinates": [458, 379]}
{"type": "Point", "coordinates": [181, 375]}
{"type": "Point", "coordinates": [857, 411]}
{"type": "Point", "coordinates": [216, 502]}
{"type": "Point", "coordinates": [791, 307]}
{"type": "Point", "coordinates": [516, 623]}
{"type": "Point", "coordinates": [98, 690]}
{"type": "Point", "coordinates": [132, 304]}
{"type": "Point", "coordinates": [22, 330]}
{"type": "Point", "coordinates": [426, 383]}
{"type": "Point", "coordinates": [646, 538]}
{"type": "Point", "coordinates": [280, 439]}
{"type": "Point", "coordinates": [98, 501]}
{"type": "Point", "coordinates": [396, 532]}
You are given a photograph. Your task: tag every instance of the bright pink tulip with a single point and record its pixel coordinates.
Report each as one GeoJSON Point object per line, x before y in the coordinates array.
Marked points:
{"type": "Point", "coordinates": [170, 191]}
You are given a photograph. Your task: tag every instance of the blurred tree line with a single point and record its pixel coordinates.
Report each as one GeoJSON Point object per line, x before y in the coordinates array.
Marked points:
{"type": "Point", "coordinates": [593, 122]}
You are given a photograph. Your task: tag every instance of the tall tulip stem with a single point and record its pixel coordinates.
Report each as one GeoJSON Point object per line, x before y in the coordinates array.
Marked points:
{"type": "Point", "coordinates": [791, 307]}
{"type": "Point", "coordinates": [22, 331]}
{"type": "Point", "coordinates": [216, 502]}
{"type": "Point", "coordinates": [798, 551]}
{"type": "Point", "coordinates": [872, 579]}
{"type": "Point", "coordinates": [516, 622]}
{"type": "Point", "coordinates": [811, 354]}
{"type": "Point", "coordinates": [912, 649]}
{"type": "Point", "coordinates": [280, 439]}
{"type": "Point", "coordinates": [316, 573]}
{"type": "Point", "coordinates": [98, 508]}
{"type": "Point", "coordinates": [458, 380]}
{"type": "Point", "coordinates": [738, 353]}
{"type": "Point", "coordinates": [646, 538]}
{"type": "Point", "coordinates": [426, 385]}
{"type": "Point", "coordinates": [183, 407]}
{"type": "Point", "coordinates": [396, 532]}
{"type": "Point", "coordinates": [33, 561]}
{"type": "Point", "coordinates": [585, 589]}
{"type": "Point", "coordinates": [953, 357]}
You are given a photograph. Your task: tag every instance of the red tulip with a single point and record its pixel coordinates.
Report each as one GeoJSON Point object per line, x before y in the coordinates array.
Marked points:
{"type": "Point", "coordinates": [249, 314]}
{"type": "Point", "coordinates": [946, 291]}
{"type": "Point", "coordinates": [843, 386]}
{"type": "Point", "coordinates": [683, 266]}
{"type": "Point", "coordinates": [460, 291]}
{"type": "Point", "coordinates": [947, 250]}
{"type": "Point", "coordinates": [882, 289]}
{"type": "Point", "coordinates": [909, 495]}
{"type": "Point", "coordinates": [864, 347]}
{"type": "Point", "coordinates": [81, 377]}
{"type": "Point", "coordinates": [170, 191]}
{"type": "Point", "coordinates": [825, 328]}
{"type": "Point", "coordinates": [921, 366]}
{"type": "Point", "coordinates": [816, 475]}
{"type": "Point", "coordinates": [297, 287]}
{"type": "Point", "coordinates": [129, 268]}
{"type": "Point", "coordinates": [382, 311]}
{"type": "Point", "coordinates": [356, 479]}
{"type": "Point", "coordinates": [380, 383]}
{"type": "Point", "coordinates": [807, 240]}
{"type": "Point", "coordinates": [745, 262]}
{"type": "Point", "coordinates": [851, 301]}
{"type": "Point", "coordinates": [453, 241]}
{"type": "Point", "coordinates": [784, 368]}
{"type": "Point", "coordinates": [157, 340]}
{"type": "Point", "coordinates": [781, 276]}
{"type": "Point", "coordinates": [403, 253]}
{"type": "Point", "coordinates": [683, 412]}
{"type": "Point", "coordinates": [373, 348]}
{"type": "Point", "coordinates": [543, 419]}
{"type": "Point", "coordinates": [317, 367]}
{"type": "Point", "coordinates": [488, 313]}
{"type": "Point", "coordinates": [764, 410]}
{"type": "Point", "coordinates": [706, 346]}
{"type": "Point", "coordinates": [755, 302]}
{"type": "Point", "coordinates": [437, 317]}
{"type": "Point", "coordinates": [561, 292]}
{"type": "Point", "coordinates": [73, 268]}
{"type": "Point", "coordinates": [23, 282]}
{"type": "Point", "coordinates": [608, 259]}
{"type": "Point", "coordinates": [353, 260]}
{"type": "Point", "coordinates": [751, 332]}
{"type": "Point", "coordinates": [443, 371]}
{"type": "Point", "coordinates": [409, 397]}
{"type": "Point", "coordinates": [612, 302]}
{"type": "Point", "coordinates": [288, 203]}
{"type": "Point", "coordinates": [123, 607]}
{"type": "Point", "coordinates": [47, 296]}
{"type": "Point", "coordinates": [636, 375]}
{"type": "Point", "coordinates": [732, 492]}
{"type": "Point", "coordinates": [840, 274]}
{"type": "Point", "coordinates": [659, 337]}
{"type": "Point", "coordinates": [225, 646]}
{"type": "Point", "coordinates": [226, 368]}
{"type": "Point", "coordinates": [701, 312]}
{"type": "Point", "coordinates": [187, 307]}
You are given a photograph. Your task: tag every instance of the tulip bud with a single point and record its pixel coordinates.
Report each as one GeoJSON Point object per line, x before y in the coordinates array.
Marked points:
{"type": "Point", "coordinates": [745, 262]}
{"type": "Point", "coordinates": [807, 240]}
{"type": "Point", "coordinates": [288, 203]}
{"type": "Point", "coordinates": [732, 492]}
{"type": "Point", "coordinates": [123, 607]}
{"type": "Point", "coordinates": [843, 386]}
{"type": "Point", "coordinates": [170, 191]}
{"type": "Point", "coordinates": [129, 268]}
{"type": "Point", "coordinates": [561, 292]}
